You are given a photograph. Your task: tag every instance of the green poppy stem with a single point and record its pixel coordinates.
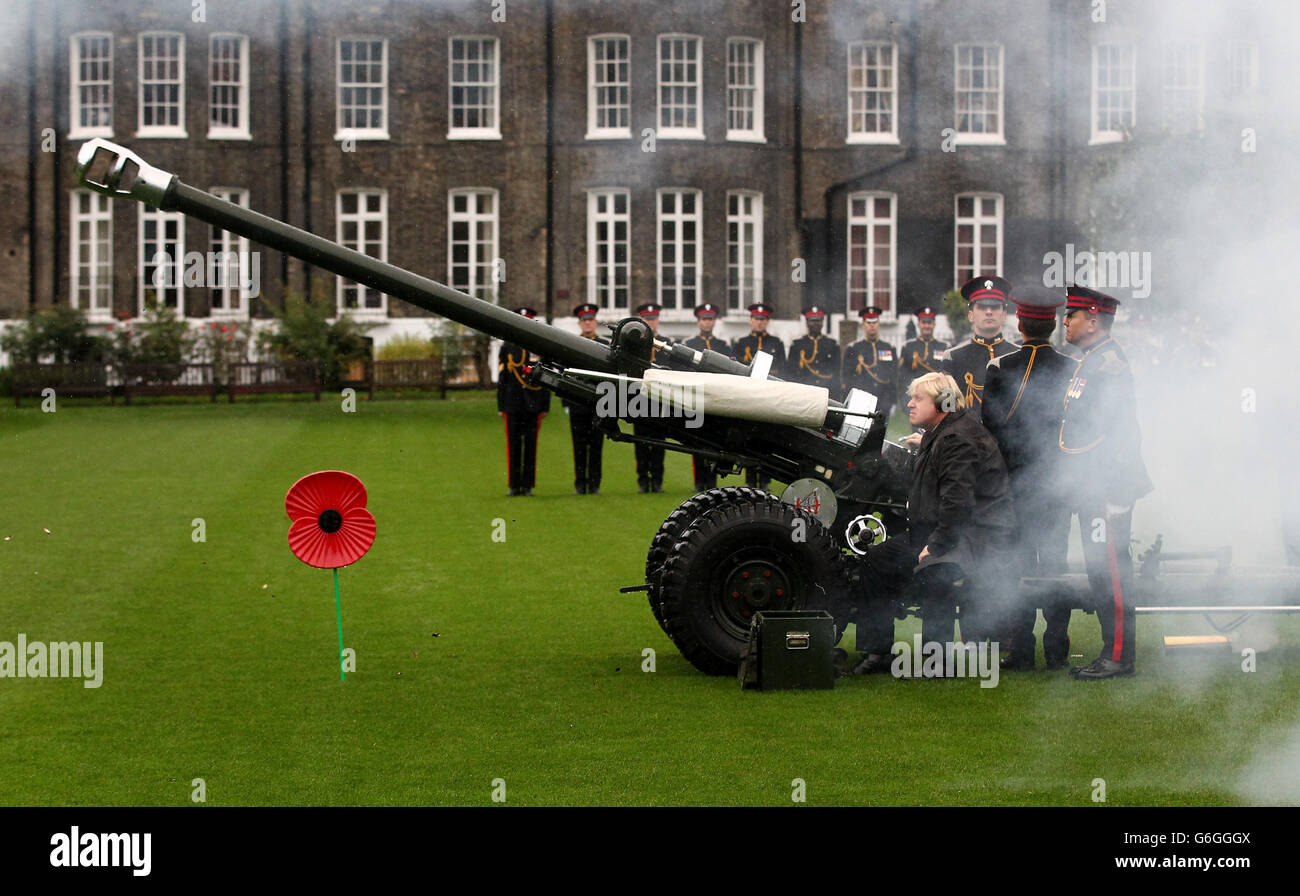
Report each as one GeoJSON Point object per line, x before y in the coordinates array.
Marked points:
{"type": "Point", "coordinates": [338, 608]}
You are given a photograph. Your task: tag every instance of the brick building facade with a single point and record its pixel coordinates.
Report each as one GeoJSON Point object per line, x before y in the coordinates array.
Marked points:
{"type": "Point", "coordinates": [834, 152]}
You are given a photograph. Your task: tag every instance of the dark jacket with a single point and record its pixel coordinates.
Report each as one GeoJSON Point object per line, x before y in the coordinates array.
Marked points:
{"type": "Point", "coordinates": [1099, 436]}
{"type": "Point", "coordinates": [960, 498]}
{"type": "Point", "coordinates": [514, 396]}
{"type": "Point", "coordinates": [1024, 400]}
{"type": "Point", "coordinates": [967, 362]}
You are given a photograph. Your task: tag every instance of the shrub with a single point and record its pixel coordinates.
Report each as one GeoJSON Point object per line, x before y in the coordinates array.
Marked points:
{"type": "Point", "coordinates": [408, 347]}
{"type": "Point", "coordinates": [303, 332]}
{"type": "Point", "coordinates": [58, 333]}
{"type": "Point", "coordinates": [954, 309]}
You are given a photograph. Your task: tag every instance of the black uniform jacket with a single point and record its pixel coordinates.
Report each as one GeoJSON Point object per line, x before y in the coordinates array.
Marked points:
{"type": "Point", "coordinates": [1024, 400]}
{"type": "Point", "coordinates": [815, 361]}
{"type": "Point", "coordinates": [1099, 435]}
{"type": "Point", "coordinates": [960, 494]}
{"type": "Point", "coordinates": [871, 365]}
{"type": "Point", "coordinates": [700, 343]}
{"type": "Point", "coordinates": [919, 357]}
{"type": "Point", "coordinates": [747, 346]}
{"type": "Point", "coordinates": [967, 362]}
{"type": "Point", "coordinates": [514, 396]}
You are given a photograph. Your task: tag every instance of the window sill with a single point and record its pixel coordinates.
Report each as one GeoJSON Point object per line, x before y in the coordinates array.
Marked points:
{"type": "Point", "coordinates": [229, 135]}
{"type": "Point", "coordinates": [872, 139]}
{"type": "Point", "coordinates": [466, 134]}
{"type": "Point", "coordinates": [90, 133]}
{"type": "Point", "coordinates": [340, 136]}
{"type": "Point", "coordinates": [162, 134]}
{"type": "Point", "coordinates": [745, 137]}
{"type": "Point", "coordinates": [979, 140]}
{"type": "Point", "coordinates": [609, 135]}
{"type": "Point", "coordinates": [679, 135]}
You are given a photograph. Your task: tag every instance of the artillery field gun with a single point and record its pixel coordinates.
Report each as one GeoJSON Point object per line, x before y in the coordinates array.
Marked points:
{"type": "Point", "coordinates": [722, 555]}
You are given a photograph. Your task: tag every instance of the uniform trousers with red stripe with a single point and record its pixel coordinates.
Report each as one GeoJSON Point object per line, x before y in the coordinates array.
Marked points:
{"type": "Point", "coordinates": [521, 449]}
{"type": "Point", "coordinates": [1110, 575]}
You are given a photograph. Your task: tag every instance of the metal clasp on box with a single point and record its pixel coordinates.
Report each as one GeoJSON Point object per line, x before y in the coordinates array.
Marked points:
{"type": "Point", "coordinates": [797, 640]}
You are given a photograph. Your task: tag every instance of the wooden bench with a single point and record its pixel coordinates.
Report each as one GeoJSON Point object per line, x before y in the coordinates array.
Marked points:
{"type": "Point", "coordinates": [248, 378]}
{"type": "Point", "coordinates": [65, 379]}
{"type": "Point", "coordinates": [425, 375]}
{"type": "Point", "coordinates": [169, 379]}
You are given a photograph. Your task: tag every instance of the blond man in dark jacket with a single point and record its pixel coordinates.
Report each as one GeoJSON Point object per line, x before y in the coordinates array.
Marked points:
{"type": "Point", "coordinates": [961, 521]}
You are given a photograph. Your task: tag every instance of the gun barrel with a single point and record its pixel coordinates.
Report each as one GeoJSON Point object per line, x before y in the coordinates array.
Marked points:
{"type": "Point", "coordinates": [102, 165]}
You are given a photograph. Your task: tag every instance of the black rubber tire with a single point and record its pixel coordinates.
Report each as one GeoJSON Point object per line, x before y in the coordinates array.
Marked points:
{"type": "Point", "coordinates": [671, 530]}
{"type": "Point", "coordinates": [739, 558]}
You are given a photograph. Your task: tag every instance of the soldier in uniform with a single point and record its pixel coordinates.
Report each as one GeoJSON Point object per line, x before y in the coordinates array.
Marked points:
{"type": "Point", "coordinates": [588, 440]}
{"type": "Point", "coordinates": [1024, 397]}
{"type": "Point", "coordinates": [920, 356]}
{"type": "Point", "coordinates": [1101, 462]}
{"type": "Point", "coordinates": [523, 406]}
{"type": "Point", "coordinates": [758, 340]}
{"type": "Point", "coordinates": [815, 358]}
{"type": "Point", "coordinates": [966, 362]}
{"type": "Point", "coordinates": [744, 350]}
{"type": "Point", "coordinates": [871, 365]}
{"type": "Point", "coordinates": [649, 458]}
{"type": "Point", "coordinates": [707, 316]}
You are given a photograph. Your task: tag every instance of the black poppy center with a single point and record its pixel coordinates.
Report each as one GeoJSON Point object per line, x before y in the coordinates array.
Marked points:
{"type": "Point", "coordinates": [331, 521]}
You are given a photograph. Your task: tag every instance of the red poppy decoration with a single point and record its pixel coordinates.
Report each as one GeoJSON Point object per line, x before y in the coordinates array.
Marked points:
{"type": "Point", "coordinates": [331, 526]}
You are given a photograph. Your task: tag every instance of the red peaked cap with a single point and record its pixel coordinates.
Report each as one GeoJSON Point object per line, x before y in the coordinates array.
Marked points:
{"type": "Point", "coordinates": [988, 287]}
{"type": "Point", "coordinates": [1081, 298]}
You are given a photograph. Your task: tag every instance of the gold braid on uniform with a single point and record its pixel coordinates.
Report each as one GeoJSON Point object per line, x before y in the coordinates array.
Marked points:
{"type": "Point", "coordinates": [973, 392]}
{"type": "Point", "coordinates": [805, 363]}
{"type": "Point", "coordinates": [749, 355]}
{"type": "Point", "coordinates": [869, 369]}
{"type": "Point", "coordinates": [1033, 356]}
{"type": "Point", "coordinates": [1061, 438]}
{"type": "Point", "coordinates": [515, 366]}
{"type": "Point", "coordinates": [921, 359]}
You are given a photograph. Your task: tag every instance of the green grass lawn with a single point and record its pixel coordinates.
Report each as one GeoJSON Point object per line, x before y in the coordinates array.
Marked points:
{"type": "Point", "coordinates": [219, 656]}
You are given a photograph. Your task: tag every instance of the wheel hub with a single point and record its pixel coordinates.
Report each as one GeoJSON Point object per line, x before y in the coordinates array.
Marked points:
{"type": "Point", "coordinates": [756, 585]}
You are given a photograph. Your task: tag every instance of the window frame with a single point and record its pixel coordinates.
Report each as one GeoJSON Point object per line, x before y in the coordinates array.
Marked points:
{"type": "Point", "coordinates": [679, 133]}
{"type": "Point", "coordinates": [367, 133]}
{"type": "Point", "coordinates": [77, 131]}
{"type": "Point", "coordinates": [993, 138]}
{"type": "Point", "coordinates": [594, 217]}
{"type": "Point", "coordinates": [677, 308]}
{"type": "Point", "coordinates": [473, 217]}
{"type": "Point", "coordinates": [869, 222]}
{"type": "Point", "coordinates": [853, 136]}
{"type": "Point", "coordinates": [360, 217]}
{"type": "Point", "coordinates": [146, 213]}
{"type": "Point", "coordinates": [976, 221]}
{"type": "Point", "coordinates": [176, 131]}
{"type": "Point", "coordinates": [1197, 90]}
{"type": "Point", "coordinates": [1098, 135]}
{"type": "Point", "coordinates": [756, 134]}
{"type": "Point", "coordinates": [220, 131]}
{"type": "Point", "coordinates": [101, 212]}
{"type": "Point", "coordinates": [594, 130]}
{"type": "Point", "coordinates": [480, 132]}
{"type": "Point", "coordinates": [744, 298]}
{"type": "Point", "coordinates": [229, 242]}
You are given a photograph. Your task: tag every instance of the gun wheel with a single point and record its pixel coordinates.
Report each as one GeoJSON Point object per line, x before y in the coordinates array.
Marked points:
{"type": "Point", "coordinates": [671, 530]}
{"type": "Point", "coordinates": [738, 559]}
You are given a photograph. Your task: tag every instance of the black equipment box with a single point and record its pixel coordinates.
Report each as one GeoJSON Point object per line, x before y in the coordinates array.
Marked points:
{"type": "Point", "coordinates": [789, 649]}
